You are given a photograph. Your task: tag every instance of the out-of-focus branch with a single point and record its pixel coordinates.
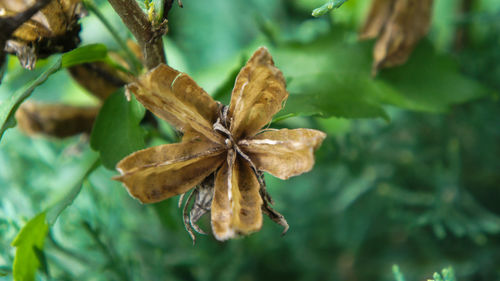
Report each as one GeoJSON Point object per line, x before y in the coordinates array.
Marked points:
{"type": "Point", "coordinates": [142, 29]}
{"type": "Point", "coordinates": [168, 5]}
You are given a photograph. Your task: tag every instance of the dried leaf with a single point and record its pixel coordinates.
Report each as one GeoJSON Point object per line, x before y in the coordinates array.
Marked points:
{"type": "Point", "coordinates": [283, 153]}
{"type": "Point", "coordinates": [258, 94]}
{"type": "Point", "coordinates": [53, 29]}
{"type": "Point", "coordinates": [175, 97]}
{"type": "Point", "coordinates": [399, 25]}
{"type": "Point", "coordinates": [160, 172]}
{"type": "Point", "coordinates": [55, 120]}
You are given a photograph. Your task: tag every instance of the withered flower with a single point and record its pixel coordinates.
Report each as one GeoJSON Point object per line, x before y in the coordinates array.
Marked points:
{"type": "Point", "coordinates": [225, 140]}
{"type": "Point", "coordinates": [399, 25]}
{"type": "Point", "coordinates": [54, 29]}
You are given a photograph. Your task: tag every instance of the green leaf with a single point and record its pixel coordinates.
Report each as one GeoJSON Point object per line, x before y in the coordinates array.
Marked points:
{"type": "Point", "coordinates": [31, 236]}
{"type": "Point", "coordinates": [8, 107]}
{"type": "Point", "coordinates": [449, 274]}
{"type": "Point", "coordinates": [88, 163]}
{"type": "Point", "coordinates": [223, 91]}
{"type": "Point", "coordinates": [429, 82]}
{"type": "Point", "coordinates": [116, 130]}
{"type": "Point", "coordinates": [330, 5]}
{"type": "Point", "coordinates": [84, 54]}
{"type": "Point", "coordinates": [80, 55]}
{"type": "Point", "coordinates": [331, 77]}
{"type": "Point", "coordinates": [330, 94]}
{"type": "Point", "coordinates": [398, 276]}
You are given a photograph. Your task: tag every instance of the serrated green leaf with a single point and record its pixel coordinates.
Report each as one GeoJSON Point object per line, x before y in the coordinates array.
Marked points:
{"type": "Point", "coordinates": [84, 54]}
{"type": "Point", "coordinates": [31, 236]}
{"type": "Point", "coordinates": [116, 131]}
{"type": "Point", "coordinates": [8, 107]}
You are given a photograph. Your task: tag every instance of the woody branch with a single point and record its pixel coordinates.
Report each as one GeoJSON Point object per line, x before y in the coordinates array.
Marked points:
{"type": "Point", "coordinates": [142, 29]}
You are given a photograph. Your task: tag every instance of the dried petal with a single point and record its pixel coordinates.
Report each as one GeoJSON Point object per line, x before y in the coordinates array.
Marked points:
{"type": "Point", "coordinates": [236, 206]}
{"type": "Point", "coordinates": [160, 172]}
{"type": "Point", "coordinates": [380, 12]}
{"type": "Point", "coordinates": [175, 97]}
{"type": "Point", "coordinates": [56, 120]}
{"type": "Point", "coordinates": [283, 153]}
{"type": "Point", "coordinates": [405, 24]}
{"type": "Point", "coordinates": [258, 94]}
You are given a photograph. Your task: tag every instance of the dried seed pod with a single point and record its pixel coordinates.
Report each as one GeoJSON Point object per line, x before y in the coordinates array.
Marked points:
{"type": "Point", "coordinates": [53, 29]}
{"type": "Point", "coordinates": [55, 120]}
{"type": "Point", "coordinates": [398, 25]}
{"type": "Point", "coordinates": [98, 78]}
{"type": "Point", "coordinates": [225, 143]}
{"type": "Point", "coordinates": [101, 79]}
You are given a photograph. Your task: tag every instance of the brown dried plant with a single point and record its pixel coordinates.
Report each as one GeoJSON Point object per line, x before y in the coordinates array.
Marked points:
{"type": "Point", "coordinates": [224, 150]}
{"type": "Point", "coordinates": [398, 25]}
{"type": "Point", "coordinates": [55, 120]}
{"type": "Point", "coordinates": [54, 29]}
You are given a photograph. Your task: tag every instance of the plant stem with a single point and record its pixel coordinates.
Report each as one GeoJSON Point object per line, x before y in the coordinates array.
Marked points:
{"type": "Point", "coordinates": [132, 60]}
{"type": "Point", "coordinates": [137, 22]}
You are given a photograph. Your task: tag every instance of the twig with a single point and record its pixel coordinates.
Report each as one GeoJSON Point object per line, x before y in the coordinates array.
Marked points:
{"type": "Point", "coordinates": [167, 5]}
{"type": "Point", "coordinates": [137, 22]}
{"type": "Point", "coordinates": [132, 60]}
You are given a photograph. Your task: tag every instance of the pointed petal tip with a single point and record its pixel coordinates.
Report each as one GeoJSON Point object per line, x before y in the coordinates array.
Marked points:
{"type": "Point", "coordinates": [118, 178]}
{"type": "Point", "coordinates": [224, 236]}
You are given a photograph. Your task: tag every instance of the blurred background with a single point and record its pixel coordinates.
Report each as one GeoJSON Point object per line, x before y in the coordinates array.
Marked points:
{"type": "Point", "coordinates": [408, 175]}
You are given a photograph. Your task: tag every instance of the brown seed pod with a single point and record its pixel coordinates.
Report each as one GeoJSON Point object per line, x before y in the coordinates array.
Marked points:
{"type": "Point", "coordinates": [225, 143]}
{"type": "Point", "coordinates": [98, 78]}
{"type": "Point", "coordinates": [55, 120]}
{"type": "Point", "coordinates": [398, 25]}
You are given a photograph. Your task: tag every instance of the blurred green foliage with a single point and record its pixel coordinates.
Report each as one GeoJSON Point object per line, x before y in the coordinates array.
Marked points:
{"type": "Point", "coordinates": [420, 190]}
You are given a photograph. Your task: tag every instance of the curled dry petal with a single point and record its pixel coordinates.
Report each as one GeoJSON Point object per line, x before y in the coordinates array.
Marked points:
{"type": "Point", "coordinates": [399, 24]}
{"type": "Point", "coordinates": [283, 153]}
{"type": "Point", "coordinates": [380, 12]}
{"type": "Point", "coordinates": [160, 172]}
{"type": "Point", "coordinates": [236, 206]}
{"type": "Point", "coordinates": [258, 94]}
{"type": "Point", "coordinates": [175, 97]}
